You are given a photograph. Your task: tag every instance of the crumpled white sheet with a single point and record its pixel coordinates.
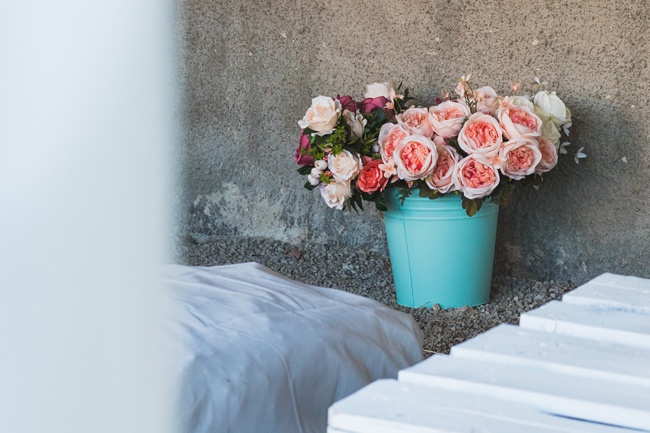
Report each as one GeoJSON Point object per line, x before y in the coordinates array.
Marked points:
{"type": "Point", "coordinates": [257, 352]}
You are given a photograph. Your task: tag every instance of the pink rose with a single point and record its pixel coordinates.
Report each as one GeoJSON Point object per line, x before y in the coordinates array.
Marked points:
{"type": "Point", "coordinates": [371, 178]}
{"type": "Point", "coordinates": [480, 134]}
{"type": "Point", "coordinates": [390, 135]}
{"type": "Point", "coordinates": [415, 157]}
{"type": "Point", "coordinates": [475, 177]}
{"type": "Point", "coordinates": [447, 118]}
{"type": "Point", "coordinates": [518, 121]}
{"type": "Point", "coordinates": [519, 157]}
{"type": "Point", "coordinates": [486, 99]}
{"type": "Point", "coordinates": [549, 155]}
{"type": "Point", "coordinates": [441, 178]}
{"type": "Point", "coordinates": [416, 121]}
{"type": "Point", "coordinates": [299, 157]}
{"type": "Point", "coordinates": [347, 103]}
{"type": "Point", "coordinates": [371, 104]}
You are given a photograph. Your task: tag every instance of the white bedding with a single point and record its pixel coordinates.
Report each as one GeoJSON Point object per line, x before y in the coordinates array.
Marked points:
{"type": "Point", "coordinates": [257, 352]}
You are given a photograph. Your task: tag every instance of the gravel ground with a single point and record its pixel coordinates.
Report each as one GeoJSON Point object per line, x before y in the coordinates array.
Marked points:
{"type": "Point", "coordinates": [369, 274]}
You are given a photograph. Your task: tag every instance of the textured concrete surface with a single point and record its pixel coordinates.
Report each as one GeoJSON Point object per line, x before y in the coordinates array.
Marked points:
{"type": "Point", "coordinates": [250, 69]}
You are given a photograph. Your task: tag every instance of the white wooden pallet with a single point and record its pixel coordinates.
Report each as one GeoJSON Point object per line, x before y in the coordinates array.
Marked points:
{"type": "Point", "coordinates": [580, 365]}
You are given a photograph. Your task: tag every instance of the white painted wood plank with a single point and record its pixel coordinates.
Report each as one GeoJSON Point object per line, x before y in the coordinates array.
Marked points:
{"type": "Point", "coordinates": [508, 344]}
{"type": "Point", "coordinates": [589, 322]}
{"type": "Point", "coordinates": [388, 406]}
{"type": "Point", "coordinates": [641, 285]}
{"type": "Point", "coordinates": [615, 292]}
{"type": "Point", "coordinates": [566, 395]}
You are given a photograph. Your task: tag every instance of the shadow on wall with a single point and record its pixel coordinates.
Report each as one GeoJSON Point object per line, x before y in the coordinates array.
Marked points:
{"type": "Point", "coordinates": [589, 218]}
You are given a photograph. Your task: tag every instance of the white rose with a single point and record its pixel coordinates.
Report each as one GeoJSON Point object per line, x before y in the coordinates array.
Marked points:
{"type": "Point", "coordinates": [522, 101]}
{"type": "Point", "coordinates": [376, 90]}
{"type": "Point", "coordinates": [322, 116]}
{"type": "Point", "coordinates": [549, 105]}
{"type": "Point", "coordinates": [335, 193]}
{"type": "Point", "coordinates": [345, 166]}
{"type": "Point", "coordinates": [550, 132]}
{"type": "Point", "coordinates": [356, 122]}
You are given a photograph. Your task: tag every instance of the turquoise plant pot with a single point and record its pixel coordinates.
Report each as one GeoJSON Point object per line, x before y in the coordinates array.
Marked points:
{"type": "Point", "coordinates": [439, 255]}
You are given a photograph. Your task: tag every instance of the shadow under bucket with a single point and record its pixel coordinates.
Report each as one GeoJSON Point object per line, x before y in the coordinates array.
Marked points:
{"type": "Point", "coordinates": [439, 255]}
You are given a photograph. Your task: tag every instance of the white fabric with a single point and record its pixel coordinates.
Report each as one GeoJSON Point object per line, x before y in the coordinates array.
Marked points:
{"type": "Point", "coordinates": [257, 352]}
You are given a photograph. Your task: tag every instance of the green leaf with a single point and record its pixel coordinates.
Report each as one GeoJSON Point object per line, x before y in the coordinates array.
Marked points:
{"type": "Point", "coordinates": [305, 170]}
{"type": "Point", "coordinates": [403, 193]}
{"type": "Point", "coordinates": [424, 192]}
{"type": "Point", "coordinates": [380, 203]}
{"type": "Point", "coordinates": [309, 186]}
{"type": "Point", "coordinates": [359, 201]}
{"type": "Point", "coordinates": [472, 206]}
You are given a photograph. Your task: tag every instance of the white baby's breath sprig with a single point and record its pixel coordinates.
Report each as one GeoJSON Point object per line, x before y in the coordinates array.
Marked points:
{"type": "Point", "coordinates": [541, 83]}
{"type": "Point", "coordinates": [580, 155]}
{"type": "Point", "coordinates": [563, 147]}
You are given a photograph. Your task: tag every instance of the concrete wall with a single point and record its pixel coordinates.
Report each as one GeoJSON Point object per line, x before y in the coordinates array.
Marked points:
{"type": "Point", "coordinates": [250, 69]}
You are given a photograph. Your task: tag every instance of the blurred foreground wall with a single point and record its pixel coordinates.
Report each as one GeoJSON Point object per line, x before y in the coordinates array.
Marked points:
{"type": "Point", "coordinates": [250, 70]}
{"type": "Point", "coordinates": [86, 129]}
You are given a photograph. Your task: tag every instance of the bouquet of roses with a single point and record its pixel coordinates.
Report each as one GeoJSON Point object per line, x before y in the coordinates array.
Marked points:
{"type": "Point", "coordinates": [478, 144]}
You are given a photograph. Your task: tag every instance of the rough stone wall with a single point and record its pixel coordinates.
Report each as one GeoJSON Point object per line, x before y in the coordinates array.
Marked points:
{"type": "Point", "coordinates": [250, 68]}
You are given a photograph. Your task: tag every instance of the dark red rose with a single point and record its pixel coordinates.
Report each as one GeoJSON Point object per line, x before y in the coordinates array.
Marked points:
{"type": "Point", "coordinates": [347, 103]}
{"type": "Point", "coordinates": [299, 157]}
{"type": "Point", "coordinates": [370, 104]}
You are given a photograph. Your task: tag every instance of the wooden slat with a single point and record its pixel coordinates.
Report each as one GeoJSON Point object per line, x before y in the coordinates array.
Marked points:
{"type": "Point", "coordinates": [615, 292]}
{"type": "Point", "coordinates": [589, 322]}
{"type": "Point", "coordinates": [513, 345]}
{"type": "Point", "coordinates": [636, 284]}
{"type": "Point", "coordinates": [389, 406]}
{"type": "Point", "coordinates": [594, 400]}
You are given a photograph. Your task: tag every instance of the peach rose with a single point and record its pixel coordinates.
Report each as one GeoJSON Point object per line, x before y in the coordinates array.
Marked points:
{"type": "Point", "coordinates": [549, 155]}
{"type": "Point", "coordinates": [415, 157]}
{"type": "Point", "coordinates": [416, 121]}
{"type": "Point", "coordinates": [335, 193]}
{"type": "Point", "coordinates": [518, 121]}
{"type": "Point", "coordinates": [371, 178]}
{"type": "Point", "coordinates": [519, 157]}
{"type": "Point", "coordinates": [322, 116]}
{"type": "Point", "coordinates": [447, 118]}
{"type": "Point", "coordinates": [480, 134]}
{"type": "Point", "coordinates": [344, 166]}
{"type": "Point", "coordinates": [441, 178]}
{"type": "Point", "coordinates": [475, 177]}
{"type": "Point", "coordinates": [390, 135]}
{"type": "Point", "coordinates": [486, 99]}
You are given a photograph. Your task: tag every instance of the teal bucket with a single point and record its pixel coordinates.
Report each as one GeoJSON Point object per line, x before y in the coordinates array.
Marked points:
{"type": "Point", "coordinates": [439, 255]}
